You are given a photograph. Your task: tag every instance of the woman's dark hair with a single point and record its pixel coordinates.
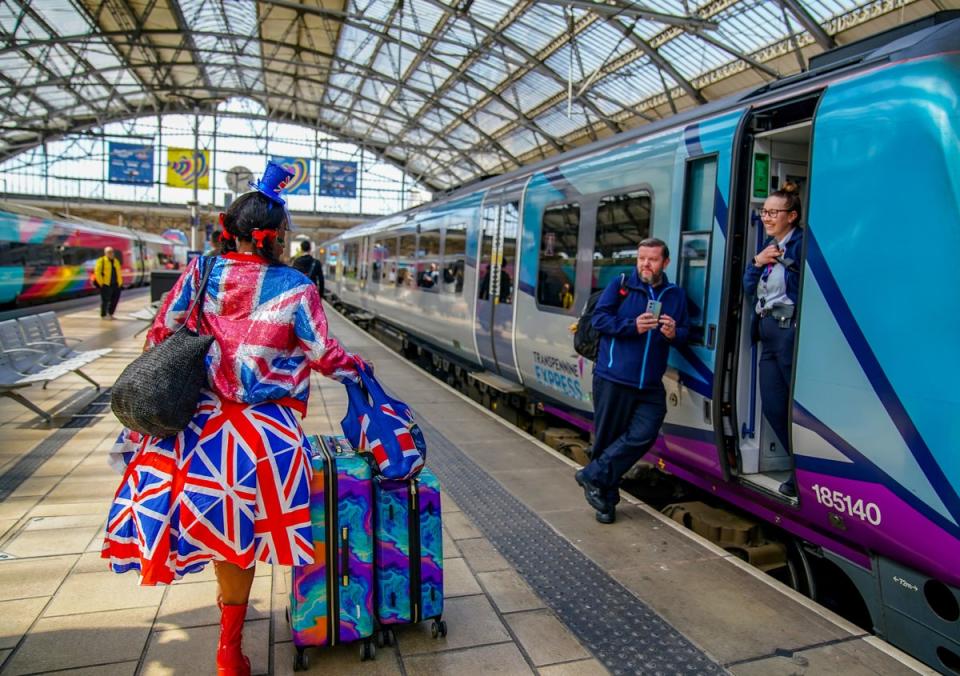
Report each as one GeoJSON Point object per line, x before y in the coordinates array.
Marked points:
{"type": "Point", "coordinates": [249, 212]}
{"type": "Point", "coordinates": [790, 192]}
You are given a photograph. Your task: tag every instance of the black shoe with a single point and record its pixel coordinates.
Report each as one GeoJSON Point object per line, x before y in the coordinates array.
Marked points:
{"type": "Point", "coordinates": [789, 488]}
{"type": "Point", "coordinates": [608, 516]}
{"type": "Point", "coordinates": [592, 493]}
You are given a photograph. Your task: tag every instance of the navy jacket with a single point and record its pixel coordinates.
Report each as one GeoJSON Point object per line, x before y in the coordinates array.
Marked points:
{"type": "Point", "coordinates": [625, 356]}
{"type": "Point", "coordinates": [751, 276]}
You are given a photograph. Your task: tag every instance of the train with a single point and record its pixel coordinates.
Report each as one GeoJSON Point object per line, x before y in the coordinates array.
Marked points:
{"type": "Point", "coordinates": [45, 258]}
{"type": "Point", "coordinates": [481, 278]}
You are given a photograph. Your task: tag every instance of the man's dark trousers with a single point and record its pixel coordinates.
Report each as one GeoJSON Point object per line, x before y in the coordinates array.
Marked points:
{"type": "Point", "coordinates": [626, 423]}
{"type": "Point", "coordinates": [109, 297]}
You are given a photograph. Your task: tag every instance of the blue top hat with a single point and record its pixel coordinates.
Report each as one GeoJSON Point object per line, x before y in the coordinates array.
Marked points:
{"type": "Point", "coordinates": [275, 178]}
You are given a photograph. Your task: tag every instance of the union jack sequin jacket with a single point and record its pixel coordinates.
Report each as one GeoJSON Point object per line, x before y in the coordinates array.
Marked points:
{"type": "Point", "coordinates": [269, 328]}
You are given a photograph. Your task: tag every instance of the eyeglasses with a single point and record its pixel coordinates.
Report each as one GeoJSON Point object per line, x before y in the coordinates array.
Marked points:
{"type": "Point", "coordinates": [773, 213]}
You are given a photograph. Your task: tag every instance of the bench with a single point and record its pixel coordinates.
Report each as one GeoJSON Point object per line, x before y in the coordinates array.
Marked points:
{"type": "Point", "coordinates": [34, 350]}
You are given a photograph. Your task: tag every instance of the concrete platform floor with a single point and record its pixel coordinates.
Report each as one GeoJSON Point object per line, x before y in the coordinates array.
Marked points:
{"type": "Point", "coordinates": [62, 611]}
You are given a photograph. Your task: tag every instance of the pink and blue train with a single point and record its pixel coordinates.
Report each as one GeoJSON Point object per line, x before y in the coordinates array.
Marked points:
{"type": "Point", "coordinates": [45, 258]}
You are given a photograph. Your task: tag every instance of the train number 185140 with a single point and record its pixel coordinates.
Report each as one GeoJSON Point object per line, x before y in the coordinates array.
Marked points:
{"type": "Point", "coordinates": [844, 504]}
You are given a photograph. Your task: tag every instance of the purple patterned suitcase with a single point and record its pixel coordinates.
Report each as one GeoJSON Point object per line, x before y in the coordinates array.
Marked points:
{"type": "Point", "coordinates": [408, 556]}
{"type": "Point", "coordinates": [331, 600]}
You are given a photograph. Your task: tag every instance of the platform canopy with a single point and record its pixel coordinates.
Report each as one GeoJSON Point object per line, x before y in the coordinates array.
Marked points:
{"type": "Point", "coordinates": [449, 90]}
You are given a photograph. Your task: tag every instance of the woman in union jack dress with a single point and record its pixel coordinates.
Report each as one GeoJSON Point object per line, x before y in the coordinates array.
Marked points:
{"type": "Point", "coordinates": [233, 487]}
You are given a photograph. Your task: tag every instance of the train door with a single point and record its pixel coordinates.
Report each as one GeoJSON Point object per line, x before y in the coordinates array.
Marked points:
{"type": "Point", "coordinates": [496, 272]}
{"type": "Point", "coordinates": [774, 148]}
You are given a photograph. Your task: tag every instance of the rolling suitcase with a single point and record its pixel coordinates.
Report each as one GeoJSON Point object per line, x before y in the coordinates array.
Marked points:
{"type": "Point", "coordinates": [331, 600]}
{"type": "Point", "coordinates": [408, 543]}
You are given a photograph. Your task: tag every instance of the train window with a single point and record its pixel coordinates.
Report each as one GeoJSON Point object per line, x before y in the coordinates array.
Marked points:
{"type": "Point", "coordinates": [491, 214]}
{"type": "Point", "coordinates": [557, 273]}
{"type": "Point", "coordinates": [350, 260]}
{"type": "Point", "coordinates": [385, 261]}
{"type": "Point", "coordinates": [508, 259]}
{"type": "Point", "coordinates": [428, 260]}
{"type": "Point", "coordinates": [406, 263]}
{"type": "Point", "coordinates": [623, 221]}
{"type": "Point", "coordinates": [695, 240]}
{"type": "Point", "coordinates": [454, 255]}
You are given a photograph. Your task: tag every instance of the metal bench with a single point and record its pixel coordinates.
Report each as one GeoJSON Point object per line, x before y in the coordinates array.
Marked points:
{"type": "Point", "coordinates": [25, 361]}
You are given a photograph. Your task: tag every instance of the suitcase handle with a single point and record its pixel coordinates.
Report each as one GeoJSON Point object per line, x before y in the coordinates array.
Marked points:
{"type": "Point", "coordinates": [344, 556]}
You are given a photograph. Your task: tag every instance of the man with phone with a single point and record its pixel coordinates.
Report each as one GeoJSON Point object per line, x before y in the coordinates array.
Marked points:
{"type": "Point", "coordinates": [638, 319]}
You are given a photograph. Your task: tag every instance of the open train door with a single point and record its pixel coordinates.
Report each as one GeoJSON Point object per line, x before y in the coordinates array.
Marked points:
{"type": "Point", "coordinates": [773, 147]}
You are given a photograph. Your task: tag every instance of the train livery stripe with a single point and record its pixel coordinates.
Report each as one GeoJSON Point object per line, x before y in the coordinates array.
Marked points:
{"type": "Point", "coordinates": [877, 377]}
{"type": "Point", "coordinates": [860, 469]}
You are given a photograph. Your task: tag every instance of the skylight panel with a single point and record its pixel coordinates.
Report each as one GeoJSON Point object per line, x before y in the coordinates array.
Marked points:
{"type": "Point", "coordinates": [491, 70]}
{"type": "Point", "coordinates": [537, 27]}
{"type": "Point", "coordinates": [356, 45]}
{"type": "Point", "coordinates": [532, 90]}
{"type": "Point", "coordinates": [237, 68]}
{"type": "Point", "coordinates": [693, 57]}
{"type": "Point", "coordinates": [490, 12]}
{"type": "Point", "coordinates": [519, 142]}
{"type": "Point", "coordinates": [556, 123]}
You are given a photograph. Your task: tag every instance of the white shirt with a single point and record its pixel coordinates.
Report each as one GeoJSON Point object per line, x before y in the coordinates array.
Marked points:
{"type": "Point", "coordinates": [772, 291]}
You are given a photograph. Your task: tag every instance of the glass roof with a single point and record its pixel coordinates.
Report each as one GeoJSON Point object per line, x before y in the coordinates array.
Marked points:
{"type": "Point", "coordinates": [450, 90]}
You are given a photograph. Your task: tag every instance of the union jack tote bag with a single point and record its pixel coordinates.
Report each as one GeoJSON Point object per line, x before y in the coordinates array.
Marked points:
{"type": "Point", "coordinates": [382, 426]}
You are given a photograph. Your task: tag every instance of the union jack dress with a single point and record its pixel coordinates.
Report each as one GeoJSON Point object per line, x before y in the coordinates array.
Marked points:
{"type": "Point", "coordinates": [235, 484]}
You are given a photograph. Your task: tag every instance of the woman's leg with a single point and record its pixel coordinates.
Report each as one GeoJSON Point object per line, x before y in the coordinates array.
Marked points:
{"type": "Point", "coordinates": [233, 582]}
{"type": "Point", "coordinates": [233, 589]}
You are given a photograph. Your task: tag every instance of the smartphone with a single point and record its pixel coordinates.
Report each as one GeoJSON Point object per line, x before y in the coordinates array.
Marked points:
{"type": "Point", "coordinates": [653, 307]}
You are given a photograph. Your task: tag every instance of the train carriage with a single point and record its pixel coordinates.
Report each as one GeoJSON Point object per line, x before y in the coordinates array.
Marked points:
{"type": "Point", "coordinates": [872, 136]}
{"type": "Point", "coordinates": [45, 257]}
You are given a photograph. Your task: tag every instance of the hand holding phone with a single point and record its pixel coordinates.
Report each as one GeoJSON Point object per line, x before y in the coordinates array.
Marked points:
{"type": "Point", "coordinates": [654, 307]}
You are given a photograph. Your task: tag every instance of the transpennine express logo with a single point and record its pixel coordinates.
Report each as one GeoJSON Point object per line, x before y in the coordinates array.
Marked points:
{"type": "Point", "coordinates": [186, 167]}
{"type": "Point", "coordinates": [299, 184]}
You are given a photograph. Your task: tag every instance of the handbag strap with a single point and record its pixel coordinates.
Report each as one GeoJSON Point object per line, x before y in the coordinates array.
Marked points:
{"type": "Point", "coordinates": [200, 291]}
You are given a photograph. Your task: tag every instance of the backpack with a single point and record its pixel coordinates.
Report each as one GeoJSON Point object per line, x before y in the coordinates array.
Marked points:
{"type": "Point", "coordinates": [586, 339]}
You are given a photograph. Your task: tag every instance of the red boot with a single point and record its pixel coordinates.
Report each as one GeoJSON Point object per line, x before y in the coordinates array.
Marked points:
{"type": "Point", "coordinates": [230, 658]}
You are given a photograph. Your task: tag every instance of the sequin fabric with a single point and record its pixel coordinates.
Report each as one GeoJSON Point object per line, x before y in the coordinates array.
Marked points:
{"type": "Point", "coordinates": [269, 327]}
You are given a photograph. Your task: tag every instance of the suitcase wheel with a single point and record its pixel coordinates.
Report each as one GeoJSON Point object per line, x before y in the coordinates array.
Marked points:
{"type": "Point", "coordinates": [368, 651]}
{"type": "Point", "coordinates": [300, 661]}
{"type": "Point", "coordinates": [385, 638]}
{"type": "Point", "coordinates": [438, 629]}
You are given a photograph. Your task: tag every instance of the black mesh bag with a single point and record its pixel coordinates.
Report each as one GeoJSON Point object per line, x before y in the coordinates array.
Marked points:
{"type": "Point", "coordinates": [158, 391]}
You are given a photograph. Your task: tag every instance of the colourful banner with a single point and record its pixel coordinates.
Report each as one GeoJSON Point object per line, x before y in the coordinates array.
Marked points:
{"type": "Point", "coordinates": [338, 179]}
{"type": "Point", "coordinates": [186, 166]}
{"type": "Point", "coordinates": [300, 166]}
{"type": "Point", "coordinates": [130, 163]}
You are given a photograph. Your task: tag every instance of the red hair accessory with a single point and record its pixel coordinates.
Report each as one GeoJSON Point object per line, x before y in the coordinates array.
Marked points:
{"type": "Point", "coordinates": [226, 235]}
{"type": "Point", "coordinates": [260, 236]}
{"type": "Point", "coordinates": [222, 216]}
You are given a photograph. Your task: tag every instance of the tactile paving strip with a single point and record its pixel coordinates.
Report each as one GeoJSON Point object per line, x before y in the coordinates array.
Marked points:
{"type": "Point", "coordinates": [24, 468]}
{"type": "Point", "coordinates": [619, 629]}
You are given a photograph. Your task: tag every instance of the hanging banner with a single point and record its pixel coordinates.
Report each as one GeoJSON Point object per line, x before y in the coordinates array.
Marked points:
{"type": "Point", "coordinates": [300, 166]}
{"type": "Point", "coordinates": [337, 179]}
{"type": "Point", "coordinates": [186, 166]}
{"type": "Point", "coordinates": [130, 163]}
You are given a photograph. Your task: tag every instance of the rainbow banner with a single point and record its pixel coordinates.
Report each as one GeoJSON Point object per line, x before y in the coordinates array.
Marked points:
{"type": "Point", "coordinates": [186, 166]}
{"type": "Point", "coordinates": [300, 166]}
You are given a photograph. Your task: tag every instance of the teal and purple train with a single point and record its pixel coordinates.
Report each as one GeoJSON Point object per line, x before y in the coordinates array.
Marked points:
{"type": "Point", "coordinates": [483, 277]}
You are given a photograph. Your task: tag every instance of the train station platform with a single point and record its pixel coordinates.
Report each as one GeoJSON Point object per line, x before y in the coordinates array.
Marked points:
{"type": "Point", "coordinates": [533, 583]}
